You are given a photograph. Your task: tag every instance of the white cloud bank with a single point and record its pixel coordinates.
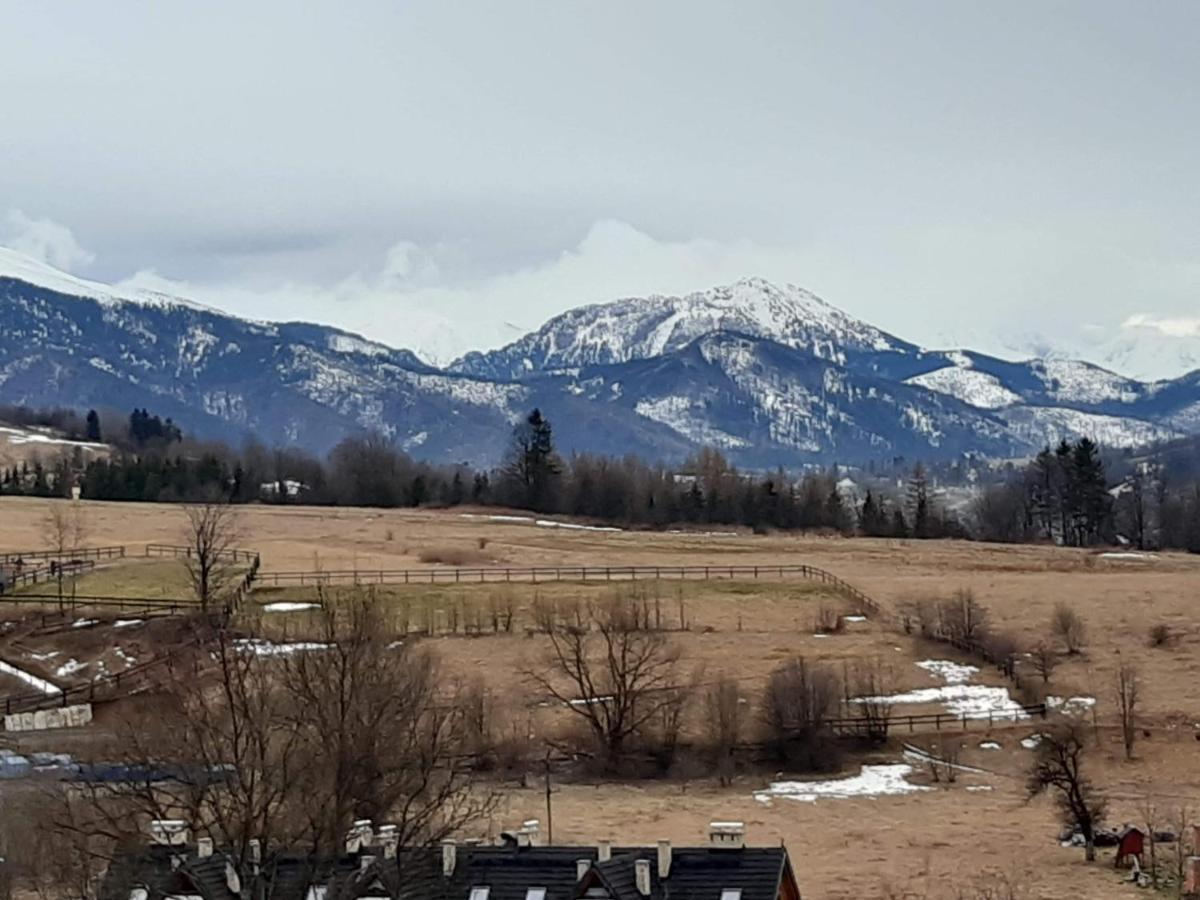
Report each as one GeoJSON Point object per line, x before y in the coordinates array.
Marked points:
{"type": "Point", "coordinates": [43, 239]}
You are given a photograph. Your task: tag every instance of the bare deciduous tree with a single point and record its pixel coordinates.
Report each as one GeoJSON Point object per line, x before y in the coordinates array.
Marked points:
{"type": "Point", "coordinates": [868, 685]}
{"type": "Point", "coordinates": [799, 700]}
{"type": "Point", "coordinates": [211, 532]}
{"type": "Point", "coordinates": [1068, 627]}
{"type": "Point", "coordinates": [289, 745]}
{"type": "Point", "coordinates": [619, 678]}
{"type": "Point", "coordinates": [1058, 767]}
{"type": "Point", "coordinates": [724, 704]}
{"type": "Point", "coordinates": [963, 617]}
{"type": "Point", "coordinates": [1127, 696]}
{"type": "Point", "coordinates": [1044, 661]}
{"type": "Point", "coordinates": [64, 529]}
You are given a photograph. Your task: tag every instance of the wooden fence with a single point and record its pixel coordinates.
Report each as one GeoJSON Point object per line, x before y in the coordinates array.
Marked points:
{"type": "Point", "coordinates": [549, 574]}
{"type": "Point", "coordinates": [181, 552]}
{"type": "Point", "coordinates": [73, 554]}
{"type": "Point", "coordinates": [45, 574]}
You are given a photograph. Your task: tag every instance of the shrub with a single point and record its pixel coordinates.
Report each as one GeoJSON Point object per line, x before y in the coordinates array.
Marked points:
{"type": "Point", "coordinates": [1068, 627]}
{"type": "Point", "coordinates": [1160, 635]}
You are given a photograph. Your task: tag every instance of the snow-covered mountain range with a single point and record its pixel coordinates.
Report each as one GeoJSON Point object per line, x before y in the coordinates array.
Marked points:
{"type": "Point", "coordinates": [770, 373]}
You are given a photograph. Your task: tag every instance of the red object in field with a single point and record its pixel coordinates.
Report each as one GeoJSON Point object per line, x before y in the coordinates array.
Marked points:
{"type": "Point", "coordinates": [1133, 842]}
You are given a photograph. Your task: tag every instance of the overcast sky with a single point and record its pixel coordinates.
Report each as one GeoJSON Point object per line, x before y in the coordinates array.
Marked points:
{"type": "Point", "coordinates": [442, 174]}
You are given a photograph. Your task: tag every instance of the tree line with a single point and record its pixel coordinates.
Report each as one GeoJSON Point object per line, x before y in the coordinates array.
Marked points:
{"type": "Point", "coordinates": [1064, 495]}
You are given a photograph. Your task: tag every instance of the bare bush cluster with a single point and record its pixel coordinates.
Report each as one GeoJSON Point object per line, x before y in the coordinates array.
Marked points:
{"type": "Point", "coordinates": [1068, 627]}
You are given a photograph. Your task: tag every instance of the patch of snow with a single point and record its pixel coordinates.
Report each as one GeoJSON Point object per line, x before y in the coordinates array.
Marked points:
{"type": "Point", "coordinates": [30, 679]}
{"type": "Point", "coordinates": [289, 606]}
{"type": "Point", "coordinates": [976, 788]}
{"type": "Point", "coordinates": [688, 417]}
{"type": "Point", "coordinates": [70, 667]}
{"type": "Point", "coordinates": [550, 523]}
{"type": "Point", "coordinates": [989, 745]}
{"type": "Point", "coordinates": [968, 701]}
{"type": "Point", "coordinates": [1112, 554]}
{"type": "Point", "coordinates": [128, 623]}
{"type": "Point", "coordinates": [975, 388]}
{"type": "Point", "coordinates": [1042, 425]}
{"type": "Point", "coordinates": [524, 520]}
{"type": "Point", "coordinates": [948, 670]}
{"type": "Point", "coordinates": [854, 618]}
{"type": "Point", "coordinates": [84, 623]}
{"type": "Point", "coordinates": [1071, 706]}
{"type": "Point", "coordinates": [872, 781]}
{"type": "Point", "coordinates": [1031, 742]}
{"type": "Point", "coordinates": [260, 647]}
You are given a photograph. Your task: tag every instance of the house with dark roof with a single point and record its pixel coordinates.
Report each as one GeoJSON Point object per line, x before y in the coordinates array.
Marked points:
{"type": "Point", "coordinates": [172, 867]}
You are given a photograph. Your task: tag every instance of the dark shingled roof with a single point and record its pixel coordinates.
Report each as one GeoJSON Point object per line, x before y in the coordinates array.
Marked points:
{"type": "Point", "coordinates": [697, 873]}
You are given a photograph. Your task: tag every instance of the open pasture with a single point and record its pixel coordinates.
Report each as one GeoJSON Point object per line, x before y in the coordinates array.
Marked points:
{"type": "Point", "coordinates": [931, 839]}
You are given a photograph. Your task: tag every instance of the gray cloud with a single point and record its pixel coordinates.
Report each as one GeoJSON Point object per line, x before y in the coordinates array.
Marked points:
{"type": "Point", "coordinates": [946, 170]}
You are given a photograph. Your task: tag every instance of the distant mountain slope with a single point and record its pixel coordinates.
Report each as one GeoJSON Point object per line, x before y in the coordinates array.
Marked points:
{"type": "Point", "coordinates": [773, 375]}
{"type": "Point", "coordinates": [644, 327]}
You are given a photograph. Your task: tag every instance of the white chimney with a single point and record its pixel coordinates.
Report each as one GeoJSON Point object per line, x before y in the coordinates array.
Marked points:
{"type": "Point", "coordinates": [204, 847]}
{"type": "Point", "coordinates": [604, 850]}
{"type": "Point", "coordinates": [641, 876]}
{"type": "Point", "coordinates": [582, 867]}
{"type": "Point", "coordinates": [359, 836]}
{"type": "Point", "coordinates": [169, 832]}
{"type": "Point", "coordinates": [254, 851]}
{"type": "Point", "coordinates": [389, 839]}
{"type": "Point", "coordinates": [449, 857]}
{"type": "Point", "coordinates": [664, 859]}
{"type": "Point", "coordinates": [528, 835]}
{"type": "Point", "coordinates": [365, 862]}
{"type": "Point", "coordinates": [727, 835]}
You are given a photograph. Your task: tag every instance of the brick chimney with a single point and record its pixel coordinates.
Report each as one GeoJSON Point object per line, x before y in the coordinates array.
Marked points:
{"type": "Point", "coordinates": [359, 836]}
{"type": "Point", "coordinates": [641, 876]}
{"type": "Point", "coordinates": [664, 859]}
{"type": "Point", "coordinates": [389, 840]}
{"type": "Point", "coordinates": [449, 857]}
{"type": "Point", "coordinates": [604, 850]}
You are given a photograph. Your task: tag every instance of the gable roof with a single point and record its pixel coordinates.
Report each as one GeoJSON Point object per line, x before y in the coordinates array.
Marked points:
{"type": "Point", "coordinates": [697, 873]}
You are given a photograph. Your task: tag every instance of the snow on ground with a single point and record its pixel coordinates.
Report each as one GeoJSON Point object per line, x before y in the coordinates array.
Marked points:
{"type": "Point", "coordinates": [267, 648]}
{"type": "Point", "coordinates": [1071, 706]}
{"type": "Point", "coordinates": [854, 618]}
{"type": "Point", "coordinates": [30, 679]}
{"type": "Point", "coordinates": [129, 661]}
{"type": "Point", "coordinates": [989, 745]}
{"type": "Point", "coordinates": [968, 701]}
{"type": "Point", "coordinates": [872, 781]}
{"type": "Point", "coordinates": [978, 389]}
{"type": "Point", "coordinates": [70, 667]}
{"type": "Point", "coordinates": [550, 523]}
{"type": "Point", "coordinates": [84, 623]}
{"type": "Point", "coordinates": [19, 436]}
{"type": "Point", "coordinates": [289, 606]}
{"type": "Point", "coordinates": [523, 520]}
{"type": "Point", "coordinates": [1031, 742]}
{"type": "Point", "coordinates": [1112, 554]}
{"type": "Point", "coordinates": [127, 623]}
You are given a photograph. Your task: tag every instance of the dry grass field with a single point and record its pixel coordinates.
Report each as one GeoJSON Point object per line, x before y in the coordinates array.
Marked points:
{"type": "Point", "coordinates": [929, 842]}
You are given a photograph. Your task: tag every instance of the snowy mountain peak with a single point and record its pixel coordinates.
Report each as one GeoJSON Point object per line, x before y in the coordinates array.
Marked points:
{"type": "Point", "coordinates": [644, 327]}
{"type": "Point", "coordinates": [20, 267]}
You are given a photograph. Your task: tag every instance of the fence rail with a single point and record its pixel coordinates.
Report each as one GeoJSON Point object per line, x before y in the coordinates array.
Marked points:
{"type": "Point", "coordinates": [42, 574]}
{"type": "Point", "coordinates": [73, 554]}
{"type": "Point", "coordinates": [164, 605]}
{"type": "Point", "coordinates": [868, 724]}
{"type": "Point", "coordinates": [181, 552]}
{"type": "Point", "coordinates": [545, 574]}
